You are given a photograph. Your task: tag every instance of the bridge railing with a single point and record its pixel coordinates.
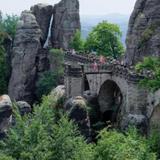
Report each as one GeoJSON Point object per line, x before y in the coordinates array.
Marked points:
{"type": "Point", "coordinates": [92, 65]}
{"type": "Point", "coordinates": [119, 70]}
{"type": "Point", "coordinates": [90, 58]}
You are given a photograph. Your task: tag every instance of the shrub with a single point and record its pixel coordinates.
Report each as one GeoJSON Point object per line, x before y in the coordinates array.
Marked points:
{"type": "Point", "coordinates": [7, 29]}
{"type": "Point", "coordinates": [151, 64]}
{"type": "Point", "coordinates": [44, 135]}
{"type": "Point", "coordinates": [51, 78]}
{"type": "Point", "coordinates": [5, 157]}
{"type": "Point", "coordinates": [77, 42]}
{"type": "Point", "coordinates": [113, 145]}
{"type": "Point", "coordinates": [3, 67]}
{"type": "Point", "coordinates": [154, 142]}
{"type": "Point", "coordinates": [9, 25]}
{"type": "Point", "coordinates": [47, 81]}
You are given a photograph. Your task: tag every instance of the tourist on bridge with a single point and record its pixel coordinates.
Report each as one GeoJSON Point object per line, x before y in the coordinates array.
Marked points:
{"type": "Point", "coordinates": [102, 60]}
{"type": "Point", "coordinates": [95, 66]}
{"type": "Point", "coordinates": [73, 51]}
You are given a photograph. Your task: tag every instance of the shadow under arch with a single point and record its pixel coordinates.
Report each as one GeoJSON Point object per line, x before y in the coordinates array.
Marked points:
{"type": "Point", "coordinates": [86, 84]}
{"type": "Point", "coordinates": [110, 100]}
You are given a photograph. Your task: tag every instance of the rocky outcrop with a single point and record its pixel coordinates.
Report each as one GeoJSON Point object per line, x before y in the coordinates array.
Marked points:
{"type": "Point", "coordinates": [24, 58]}
{"type": "Point", "coordinates": [77, 109]}
{"type": "Point", "coordinates": [58, 93]}
{"type": "Point", "coordinates": [92, 100]}
{"type": "Point", "coordinates": [23, 107]}
{"type": "Point", "coordinates": [43, 13]}
{"type": "Point", "coordinates": [30, 59]}
{"type": "Point", "coordinates": [5, 114]}
{"type": "Point", "coordinates": [65, 22]}
{"type": "Point", "coordinates": [144, 31]}
{"type": "Point", "coordinates": [139, 121]}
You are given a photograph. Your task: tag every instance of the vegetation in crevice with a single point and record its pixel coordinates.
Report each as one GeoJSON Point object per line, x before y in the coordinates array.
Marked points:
{"type": "Point", "coordinates": [150, 65]}
{"type": "Point", "coordinates": [77, 43]}
{"type": "Point", "coordinates": [53, 77]}
{"type": "Point", "coordinates": [148, 33]}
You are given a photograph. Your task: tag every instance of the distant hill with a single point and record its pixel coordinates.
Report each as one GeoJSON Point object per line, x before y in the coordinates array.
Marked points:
{"type": "Point", "coordinates": [89, 21]}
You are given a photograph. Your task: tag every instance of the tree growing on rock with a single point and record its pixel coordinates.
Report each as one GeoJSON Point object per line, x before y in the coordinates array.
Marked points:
{"type": "Point", "coordinates": [77, 42]}
{"type": "Point", "coordinates": [105, 40]}
{"type": "Point", "coordinates": [150, 65]}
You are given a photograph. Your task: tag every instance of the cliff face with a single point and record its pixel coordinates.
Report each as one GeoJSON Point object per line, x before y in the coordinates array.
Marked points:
{"type": "Point", "coordinates": [66, 21]}
{"type": "Point", "coordinates": [143, 37]}
{"type": "Point", "coordinates": [30, 58]}
{"type": "Point", "coordinates": [43, 14]}
{"type": "Point", "coordinates": [25, 49]}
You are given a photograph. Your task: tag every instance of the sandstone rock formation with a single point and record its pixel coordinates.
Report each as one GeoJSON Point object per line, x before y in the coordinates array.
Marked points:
{"type": "Point", "coordinates": [25, 50]}
{"type": "Point", "coordinates": [29, 58]}
{"type": "Point", "coordinates": [92, 101]}
{"type": "Point", "coordinates": [5, 114]}
{"type": "Point", "coordinates": [77, 109]}
{"type": "Point", "coordinates": [139, 121]}
{"type": "Point", "coordinates": [23, 107]}
{"type": "Point", "coordinates": [65, 22]}
{"type": "Point", "coordinates": [143, 37]}
{"type": "Point", "coordinates": [43, 13]}
{"type": "Point", "coordinates": [58, 93]}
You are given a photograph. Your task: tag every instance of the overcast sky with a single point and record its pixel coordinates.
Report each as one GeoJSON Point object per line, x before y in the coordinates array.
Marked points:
{"type": "Point", "coordinates": [93, 7]}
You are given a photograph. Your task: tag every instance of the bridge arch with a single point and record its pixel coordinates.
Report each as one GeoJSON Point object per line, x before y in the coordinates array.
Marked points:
{"type": "Point", "coordinates": [110, 100]}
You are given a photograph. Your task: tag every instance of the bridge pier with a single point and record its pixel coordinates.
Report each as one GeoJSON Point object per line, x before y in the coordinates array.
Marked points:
{"type": "Point", "coordinates": [74, 81]}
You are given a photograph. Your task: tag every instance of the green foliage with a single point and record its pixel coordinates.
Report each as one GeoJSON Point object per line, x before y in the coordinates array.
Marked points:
{"type": "Point", "coordinates": [154, 142]}
{"type": "Point", "coordinates": [47, 81]}
{"type": "Point", "coordinates": [48, 134]}
{"type": "Point", "coordinates": [50, 79]}
{"type": "Point", "coordinates": [4, 157]}
{"type": "Point", "coordinates": [45, 135]}
{"type": "Point", "coordinates": [76, 42]}
{"type": "Point", "coordinates": [113, 145]}
{"type": "Point", "coordinates": [57, 60]}
{"type": "Point", "coordinates": [7, 29]}
{"type": "Point", "coordinates": [9, 24]}
{"type": "Point", "coordinates": [105, 40]}
{"type": "Point", "coordinates": [3, 67]}
{"type": "Point", "coordinates": [152, 65]}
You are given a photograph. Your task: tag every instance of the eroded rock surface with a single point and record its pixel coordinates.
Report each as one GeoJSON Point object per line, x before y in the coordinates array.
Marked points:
{"type": "Point", "coordinates": [25, 50]}
{"type": "Point", "coordinates": [5, 114]}
{"type": "Point", "coordinates": [43, 13]}
{"type": "Point", "coordinates": [23, 107]}
{"type": "Point", "coordinates": [30, 59]}
{"type": "Point", "coordinates": [65, 22]}
{"type": "Point", "coordinates": [143, 37]}
{"type": "Point", "coordinates": [139, 121]}
{"type": "Point", "coordinates": [58, 92]}
{"type": "Point", "coordinates": [77, 109]}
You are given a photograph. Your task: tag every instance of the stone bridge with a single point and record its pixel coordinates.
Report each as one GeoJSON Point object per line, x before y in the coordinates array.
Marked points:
{"type": "Point", "coordinates": [119, 95]}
